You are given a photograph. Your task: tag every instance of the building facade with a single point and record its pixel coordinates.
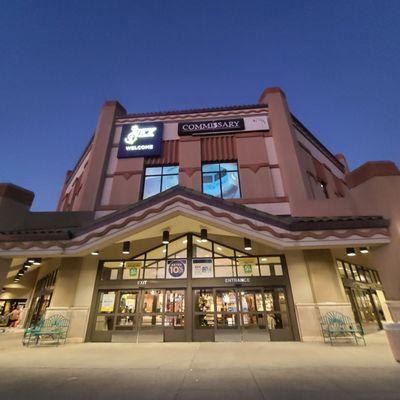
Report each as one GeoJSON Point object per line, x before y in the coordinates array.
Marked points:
{"type": "Point", "coordinates": [219, 224]}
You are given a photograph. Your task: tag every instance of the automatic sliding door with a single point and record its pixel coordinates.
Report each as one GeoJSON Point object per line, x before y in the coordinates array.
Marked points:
{"type": "Point", "coordinates": [227, 316]}
{"type": "Point", "coordinates": [151, 321]}
{"type": "Point", "coordinates": [253, 318]}
{"type": "Point", "coordinates": [174, 318]}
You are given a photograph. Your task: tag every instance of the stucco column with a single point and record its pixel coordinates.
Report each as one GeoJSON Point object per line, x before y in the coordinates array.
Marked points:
{"type": "Point", "coordinates": [287, 146]}
{"type": "Point", "coordinates": [66, 283]}
{"type": "Point", "coordinates": [5, 264]}
{"type": "Point", "coordinates": [325, 281]}
{"type": "Point", "coordinates": [190, 163]}
{"type": "Point", "coordinates": [97, 165]}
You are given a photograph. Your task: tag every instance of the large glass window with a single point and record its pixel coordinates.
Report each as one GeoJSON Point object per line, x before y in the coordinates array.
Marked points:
{"type": "Point", "coordinates": [221, 180]}
{"type": "Point", "coordinates": [158, 179]}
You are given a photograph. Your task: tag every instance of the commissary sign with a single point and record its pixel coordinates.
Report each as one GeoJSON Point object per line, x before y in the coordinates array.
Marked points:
{"type": "Point", "coordinates": [141, 140]}
{"type": "Point", "coordinates": [213, 126]}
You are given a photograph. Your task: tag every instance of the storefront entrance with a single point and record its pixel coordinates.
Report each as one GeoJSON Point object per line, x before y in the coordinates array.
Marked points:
{"type": "Point", "coordinates": [154, 315]}
{"type": "Point", "coordinates": [191, 290]}
{"type": "Point", "coordinates": [241, 314]}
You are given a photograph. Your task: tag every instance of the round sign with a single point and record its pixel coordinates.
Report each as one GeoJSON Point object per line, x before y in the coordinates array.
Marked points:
{"type": "Point", "coordinates": [176, 268]}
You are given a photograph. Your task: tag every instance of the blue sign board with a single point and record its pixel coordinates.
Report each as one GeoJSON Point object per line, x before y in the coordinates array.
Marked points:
{"type": "Point", "coordinates": [141, 140]}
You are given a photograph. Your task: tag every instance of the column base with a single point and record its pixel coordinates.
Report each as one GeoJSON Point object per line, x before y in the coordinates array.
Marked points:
{"type": "Point", "coordinates": [394, 308]}
{"type": "Point", "coordinates": [309, 316]}
{"type": "Point", "coordinates": [78, 321]}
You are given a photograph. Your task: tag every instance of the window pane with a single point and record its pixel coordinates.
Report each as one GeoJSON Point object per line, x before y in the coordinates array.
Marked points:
{"type": "Point", "coordinates": [153, 171]}
{"type": "Point", "coordinates": [110, 270]}
{"type": "Point", "coordinates": [230, 185]}
{"type": "Point", "coordinates": [270, 260]}
{"type": "Point", "coordinates": [204, 301]}
{"type": "Point", "coordinates": [223, 267]}
{"type": "Point", "coordinates": [211, 184]}
{"type": "Point", "coordinates": [210, 167]}
{"type": "Point", "coordinates": [175, 301]}
{"type": "Point", "coordinates": [226, 301]}
{"type": "Point", "coordinates": [340, 268]}
{"type": "Point", "coordinates": [228, 166]}
{"type": "Point", "coordinates": [247, 266]}
{"type": "Point", "coordinates": [269, 301]}
{"type": "Point", "coordinates": [177, 248]}
{"type": "Point", "coordinates": [151, 320]}
{"type": "Point", "coordinates": [226, 320]}
{"type": "Point", "coordinates": [154, 270]}
{"type": "Point", "coordinates": [223, 251]}
{"type": "Point", "coordinates": [152, 301]}
{"type": "Point", "coordinates": [174, 321]}
{"type": "Point", "coordinates": [157, 253]}
{"type": "Point", "coordinates": [127, 303]}
{"type": "Point", "coordinates": [278, 270]}
{"type": "Point", "coordinates": [265, 270]}
{"type": "Point", "coordinates": [125, 322]}
{"type": "Point", "coordinates": [133, 269]}
{"type": "Point", "coordinates": [174, 169]}
{"type": "Point", "coordinates": [169, 181]}
{"type": "Point", "coordinates": [152, 186]}
{"type": "Point", "coordinates": [204, 321]}
{"type": "Point", "coordinates": [104, 323]}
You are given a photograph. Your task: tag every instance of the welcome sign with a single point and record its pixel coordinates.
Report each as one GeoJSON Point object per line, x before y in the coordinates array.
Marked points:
{"type": "Point", "coordinates": [141, 140]}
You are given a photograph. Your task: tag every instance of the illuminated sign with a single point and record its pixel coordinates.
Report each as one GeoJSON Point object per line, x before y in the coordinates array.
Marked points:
{"type": "Point", "coordinates": [213, 126]}
{"type": "Point", "coordinates": [141, 140]}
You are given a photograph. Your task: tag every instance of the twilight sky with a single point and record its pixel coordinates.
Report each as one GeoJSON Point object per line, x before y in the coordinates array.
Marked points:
{"type": "Point", "coordinates": [338, 62]}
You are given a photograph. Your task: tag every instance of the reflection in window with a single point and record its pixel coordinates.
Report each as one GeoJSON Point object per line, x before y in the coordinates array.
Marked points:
{"type": "Point", "coordinates": [158, 179]}
{"type": "Point", "coordinates": [221, 180]}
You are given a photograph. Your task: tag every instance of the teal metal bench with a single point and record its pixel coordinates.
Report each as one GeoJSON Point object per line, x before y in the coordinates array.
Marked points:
{"type": "Point", "coordinates": [335, 325]}
{"type": "Point", "coordinates": [53, 330]}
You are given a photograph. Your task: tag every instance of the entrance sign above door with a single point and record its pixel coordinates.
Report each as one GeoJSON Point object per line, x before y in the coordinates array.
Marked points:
{"type": "Point", "coordinates": [141, 140]}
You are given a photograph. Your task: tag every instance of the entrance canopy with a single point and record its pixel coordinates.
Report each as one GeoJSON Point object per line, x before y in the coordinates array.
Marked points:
{"type": "Point", "coordinates": [181, 210]}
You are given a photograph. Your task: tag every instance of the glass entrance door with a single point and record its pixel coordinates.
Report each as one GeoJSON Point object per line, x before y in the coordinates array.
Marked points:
{"type": "Point", "coordinates": [151, 315]}
{"type": "Point", "coordinates": [248, 314]}
{"type": "Point", "coordinates": [366, 310]}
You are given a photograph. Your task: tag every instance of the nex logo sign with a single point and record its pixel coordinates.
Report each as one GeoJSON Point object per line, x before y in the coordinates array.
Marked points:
{"type": "Point", "coordinates": [137, 133]}
{"type": "Point", "coordinates": [141, 140]}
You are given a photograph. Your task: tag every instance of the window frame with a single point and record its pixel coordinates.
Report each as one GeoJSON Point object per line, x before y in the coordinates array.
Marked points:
{"type": "Point", "coordinates": [158, 175]}
{"type": "Point", "coordinates": [219, 173]}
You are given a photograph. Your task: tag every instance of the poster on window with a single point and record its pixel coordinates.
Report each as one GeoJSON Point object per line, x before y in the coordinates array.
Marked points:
{"type": "Point", "coordinates": [107, 302]}
{"type": "Point", "coordinates": [176, 269]}
{"type": "Point", "coordinates": [202, 268]}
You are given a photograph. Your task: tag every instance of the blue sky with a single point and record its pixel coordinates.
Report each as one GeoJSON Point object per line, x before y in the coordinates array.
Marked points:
{"type": "Point", "coordinates": [338, 63]}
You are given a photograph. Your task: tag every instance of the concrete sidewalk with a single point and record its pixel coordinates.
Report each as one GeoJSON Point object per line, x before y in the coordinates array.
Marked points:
{"type": "Point", "coordinates": [199, 371]}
